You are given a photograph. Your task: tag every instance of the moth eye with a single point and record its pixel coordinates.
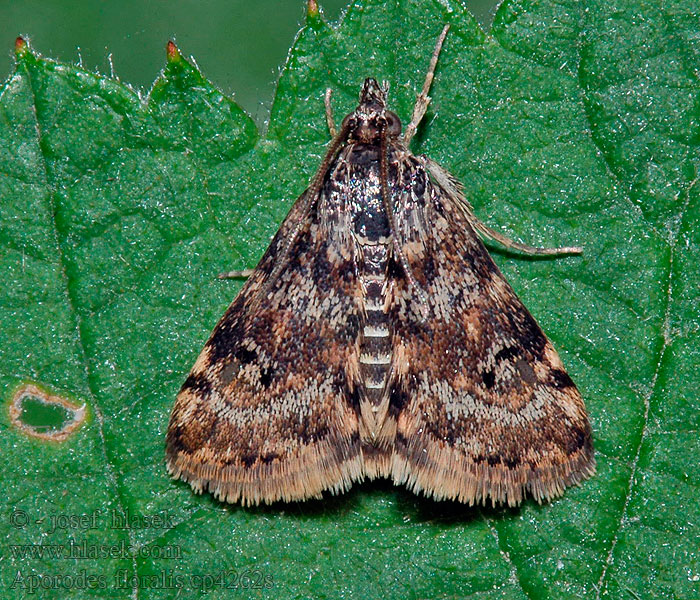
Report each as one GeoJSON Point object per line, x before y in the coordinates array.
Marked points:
{"type": "Point", "coordinates": [393, 123]}
{"type": "Point", "coordinates": [348, 121]}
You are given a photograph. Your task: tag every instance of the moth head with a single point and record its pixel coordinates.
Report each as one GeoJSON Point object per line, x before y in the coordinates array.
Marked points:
{"type": "Point", "coordinates": [370, 120]}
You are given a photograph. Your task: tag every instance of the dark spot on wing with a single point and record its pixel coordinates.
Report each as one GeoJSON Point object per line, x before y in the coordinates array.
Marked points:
{"type": "Point", "coordinates": [347, 331]}
{"type": "Point", "coordinates": [506, 353]}
{"type": "Point", "coordinates": [400, 441]}
{"type": "Point", "coordinates": [428, 268]}
{"type": "Point", "coordinates": [225, 340]}
{"type": "Point", "coordinates": [352, 397]}
{"type": "Point", "coordinates": [245, 356]}
{"type": "Point", "coordinates": [394, 268]}
{"type": "Point", "coordinates": [265, 376]}
{"type": "Point", "coordinates": [577, 439]}
{"type": "Point", "coordinates": [177, 440]}
{"type": "Point", "coordinates": [527, 374]}
{"type": "Point", "coordinates": [191, 436]}
{"type": "Point", "coordinates": [510, 462]}
{"type": "Point", "coordinates": [398, 399]}
{"type": "Point", "coordinates": [321, 272]}
{"type": "Point", "coordinates": [248, 459]}
{"type": "Point", "coordinates": [309, 433]}
{"type": "Point", "coordinates": [479, 262]}
{"type": "Point", "coordinates": [497, 459]}
{"type": "Point", "coordinates": [528, 337]}
{"type": "Point", "coordinates": [229, 372]}
{"type": "Point", "coordinates": [418, 183]}
{"type": "Point", "coordinates": [197, 383]}
{"type": "Point", "coordinates": [268, 458]}
{"type": "Point", "coordinates": [561, 379]}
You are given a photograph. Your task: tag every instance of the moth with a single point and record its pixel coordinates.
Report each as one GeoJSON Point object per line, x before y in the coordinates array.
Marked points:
{"type": "Point", "coordinates": [377, 338]}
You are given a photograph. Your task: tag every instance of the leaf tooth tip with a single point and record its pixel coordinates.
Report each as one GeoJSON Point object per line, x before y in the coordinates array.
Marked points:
{"type": "Point", "coordinates": [312, 9]}
{"type": "Point", "coordinates": [21, 45]}
{"type": "Point", "coordinates": [171, 51]}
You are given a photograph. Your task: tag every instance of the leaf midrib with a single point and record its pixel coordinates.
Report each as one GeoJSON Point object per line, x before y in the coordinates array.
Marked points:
{"type": "Point", "coordinates": [109, 469]}
{"type": "Point", "coordinates": [671, 244]}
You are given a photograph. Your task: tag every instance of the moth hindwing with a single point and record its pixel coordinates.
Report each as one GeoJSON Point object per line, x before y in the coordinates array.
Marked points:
{"type": "Point", "coordinates": [377, 338]}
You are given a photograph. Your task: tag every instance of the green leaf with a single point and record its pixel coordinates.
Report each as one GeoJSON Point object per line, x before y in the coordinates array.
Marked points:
{"type": "Point", "coordinates": [570, 122]}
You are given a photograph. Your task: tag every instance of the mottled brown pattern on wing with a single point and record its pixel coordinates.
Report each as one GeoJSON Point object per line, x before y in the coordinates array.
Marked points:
{"type": "Point", "coordinates": [485, 411]}
{"type": "Point", "coordinates": [267, 412]}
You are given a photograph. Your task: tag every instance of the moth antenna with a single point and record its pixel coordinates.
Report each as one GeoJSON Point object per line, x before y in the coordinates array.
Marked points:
{"type": "Point", "coordinates": [329, 113]}
{"type": "Point", "coordinates": [389, 209]}
{"type": "Point", "coordinates": [423, 99]}
{"type": "Point", "coordinates": [309, 198]}
{"type": "Point", "coordinates": [242, 274]}
{"type": "Point", "coordinates": [454, 187]}
{"type": "Point", "coordinates": [506, 242]}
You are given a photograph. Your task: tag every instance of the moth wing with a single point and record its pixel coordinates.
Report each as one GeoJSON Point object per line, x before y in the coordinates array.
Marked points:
{"type": "Point", "coordinates": [483, 406]}
{"type": "Point", "coordinates": [266, 413]}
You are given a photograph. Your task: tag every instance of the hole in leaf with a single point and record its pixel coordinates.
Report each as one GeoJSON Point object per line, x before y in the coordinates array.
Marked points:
{"type": "Point", "coordinates": [45, 416]}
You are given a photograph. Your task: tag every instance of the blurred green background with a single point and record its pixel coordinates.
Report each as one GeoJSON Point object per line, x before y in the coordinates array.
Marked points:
{"type": "Point", "coordinates": [239, 45]}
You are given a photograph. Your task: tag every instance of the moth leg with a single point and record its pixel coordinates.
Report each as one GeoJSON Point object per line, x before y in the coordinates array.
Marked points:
{"type": "Point", "coordinates": [423, 99]}
{"type": "Point", "coordinates": [242, 274]}
{"type": "Point", "coordinates": [329, 113]}
{"type": "Point", "coordinates": [506, 242]}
